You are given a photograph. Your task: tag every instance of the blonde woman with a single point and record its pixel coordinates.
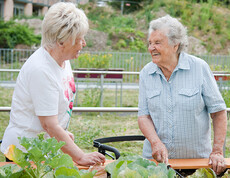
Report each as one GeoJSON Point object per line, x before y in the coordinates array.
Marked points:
{"type": "Point", "coordinates": [45, 89]}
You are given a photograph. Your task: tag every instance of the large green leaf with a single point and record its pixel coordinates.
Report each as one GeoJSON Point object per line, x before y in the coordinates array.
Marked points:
{"type": "Point", "coordinates": [160, 170]}
{"type": "Point", "coordinates": [203, 172]}
{"type": "Point", "coordinates": [11, 170]}
{"type": "Point", "coordinates": [61, 160]}
{"type": "Point", "coordinates": [66, 172]}
{"type": "Point", "coordinates": [41, 149]}
{"type": "Point", "coordinates": [144, 162]}
{"type": "Point", "coordinates": [36, 154]}
{"type": "Point", "coordinates": [136, 165]}
{"type": "Point", "coordinates": [138, 168]}
{"type": "Point", "coordinates": [87, 174]}
{"type": "Point", "coordinates": [128, 173]}
{"type": "Point", "coordinates": [109, 168]}
{"type": "Point", "coordinates": [17, 156]}
{"type": "Point", "coordinates": [171, 173]}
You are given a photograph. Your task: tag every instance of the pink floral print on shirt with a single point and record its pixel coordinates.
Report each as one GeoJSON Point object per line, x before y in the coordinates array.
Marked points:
{"type": "Point", "coordinates": [71, 105]}
{"type": "Point", "coordinates": [67, 94]}
{"type": "Point", "coordinates": [72, 85]}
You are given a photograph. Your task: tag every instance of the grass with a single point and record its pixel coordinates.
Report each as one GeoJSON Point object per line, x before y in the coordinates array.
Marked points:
{"type": "Point", "coordinates": [205, 20]}
{"type": "Point", "coordinates": [89, 126]}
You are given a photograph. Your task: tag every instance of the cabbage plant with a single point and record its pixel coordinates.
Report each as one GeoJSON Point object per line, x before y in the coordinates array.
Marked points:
{"type": "Point", "coordinates": [43, 158]}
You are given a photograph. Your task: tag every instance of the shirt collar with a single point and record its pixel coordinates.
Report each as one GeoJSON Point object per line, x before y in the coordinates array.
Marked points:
{"type": "Point", "coordinates": [182, 64]}
{"type": "Point", "coordinates": [153, 68]}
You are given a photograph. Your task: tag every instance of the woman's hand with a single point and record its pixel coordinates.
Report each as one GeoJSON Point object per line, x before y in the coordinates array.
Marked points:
{"type": "Point", "coordinates": [90, 159]}
{"type": "Point", "coordinates": [216, 158]}
{"type": "Point", "coordinates": [160, 152]}
{"type": "Point", "coordinates": [70, 135]}
{"type": "Point", "coordinates": [218, 163]}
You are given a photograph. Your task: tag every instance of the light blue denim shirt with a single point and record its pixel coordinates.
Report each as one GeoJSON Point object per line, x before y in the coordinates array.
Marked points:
{"type": "Point", "coordinates": [180, 107]}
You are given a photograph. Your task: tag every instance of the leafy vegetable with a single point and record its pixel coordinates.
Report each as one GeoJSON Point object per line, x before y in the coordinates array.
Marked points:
{"type": "Point", "coordinates": [203, 172]}
{"type": "Point", "coordinates": [43, 158]}
{"type": "Point", "coordinates": [10, 170]}
{"type": "Point", "coordinates": [136, 166]}
{"type": "Point", "coordinates": [226, 174]}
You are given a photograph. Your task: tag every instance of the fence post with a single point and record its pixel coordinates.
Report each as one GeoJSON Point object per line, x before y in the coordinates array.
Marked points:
{"type": "Point", "coordinates": [102, 82]}
{"type": "Point", "coordinates": [12, 61]}
{"type": "Point", "coordinates": [121, 94]}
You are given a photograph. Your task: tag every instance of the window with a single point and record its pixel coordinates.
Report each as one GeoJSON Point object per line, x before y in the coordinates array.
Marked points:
{"type": "Point", "coordinates": [18, 10]}
{"type": "Point", "coordinates": [1, 9]}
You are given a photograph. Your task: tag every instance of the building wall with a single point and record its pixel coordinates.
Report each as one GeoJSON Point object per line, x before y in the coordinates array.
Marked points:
{"type": "Point", "coordinates": [9, 8]}
{"type": "Point", "coordinates": [28, 9]}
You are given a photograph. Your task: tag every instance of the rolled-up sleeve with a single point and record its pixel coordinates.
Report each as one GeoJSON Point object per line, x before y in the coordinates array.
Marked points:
{"type": "Point", "coordinates": [211, 94]}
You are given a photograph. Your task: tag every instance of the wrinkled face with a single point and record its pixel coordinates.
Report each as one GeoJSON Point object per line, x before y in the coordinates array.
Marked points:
{"type": "Point", "coordinates": [159, 48]}
{"type": "Point", "coordinates": [71, 51]}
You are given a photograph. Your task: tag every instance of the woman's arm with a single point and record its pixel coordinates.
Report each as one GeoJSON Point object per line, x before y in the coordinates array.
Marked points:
{"type": "Point", "coordinates": [220, 129]}
{"type": "Point", "coordinates": [159, 151]}
{"type": "Point", "coordinates": [52, 127]}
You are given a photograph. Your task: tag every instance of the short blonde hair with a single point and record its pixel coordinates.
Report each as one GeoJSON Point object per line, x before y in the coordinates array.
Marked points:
{"type": "Point", "coordinates": [174, 30]}
{"type": "Point", "coordinates": [63, 21]}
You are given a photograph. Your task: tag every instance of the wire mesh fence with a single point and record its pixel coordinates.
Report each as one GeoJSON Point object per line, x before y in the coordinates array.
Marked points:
{"type": "Point", "coordinates": [127, 61]}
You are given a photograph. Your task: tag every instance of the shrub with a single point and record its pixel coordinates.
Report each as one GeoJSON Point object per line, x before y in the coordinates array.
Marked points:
{"type": "Point", "coordinates": [121, 44]}
{"type": "Point", "coordinates": [12, 33]}
{"type": "Point", "coordinates": [128, 39]}
{"type": "Point", "coordinates": [87, 60]}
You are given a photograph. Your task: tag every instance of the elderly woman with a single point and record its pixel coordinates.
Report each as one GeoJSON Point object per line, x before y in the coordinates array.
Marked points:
{"type": "Point", "coordinates": [176, 95]}
{"type": "Point", "coordinates": [45, 89]}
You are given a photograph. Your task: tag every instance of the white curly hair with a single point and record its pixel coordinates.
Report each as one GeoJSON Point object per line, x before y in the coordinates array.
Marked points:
{"type": "Point", "coordinates": [174, 30]}
{"type": "Point", "coordinates": [63, 21]}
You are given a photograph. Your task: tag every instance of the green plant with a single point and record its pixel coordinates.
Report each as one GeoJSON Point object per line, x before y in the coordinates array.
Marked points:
{"type": "Point", "coordinates": [203, 172]}
{"type": "Point", "coordinates": [89, 43]}
{"type": "Point", "coordinates": [87, 132]}
{"type": "Point", "coordinates": [136, 166]}
{"type": "Point", "coordinates": [34, 16]}
{"type": "Point", "coordinates": [219, 67]}
{"type": "Point", "coordinates": [226, 96]}
{"type": "Point", "coordinates": [91, 97]}
{"type": "Point", "coordinates": [203, 19]}
{"type": "Point", "coordinates": [121, 44]}
{"type": "Point", "coordinates": [43, 157]}
{"type": "Point", "coordinates": [226, 174]}
{"type": "Point", "coordinates": [87, 60]}
{"type": "Point", "coordinates": [12, 33]}
{"type": "Point", "coordinates": [128, 38]}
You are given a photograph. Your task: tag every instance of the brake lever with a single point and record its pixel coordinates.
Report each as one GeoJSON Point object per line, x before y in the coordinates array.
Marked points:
{"type": "Point", "coordinates": [109, 155]}
{"type": "Point", "coordinates": [169, 166]}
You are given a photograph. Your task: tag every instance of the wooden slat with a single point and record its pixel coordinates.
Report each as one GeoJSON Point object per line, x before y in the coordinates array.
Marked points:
{"type": "Point", "coordinates": [175, 163]}
{"type": "Point", "coordinates": [192, 163]}
{"type": "Point", "coordinates": [84, 167]}
{"type": "Point", "coordinates": [180, 163]}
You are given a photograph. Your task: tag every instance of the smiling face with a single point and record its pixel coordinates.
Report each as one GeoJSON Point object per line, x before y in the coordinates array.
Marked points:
{"type": "Point", "coordinates": [161, 51]}
{"type": "Point", "coordinates": [71, 51]}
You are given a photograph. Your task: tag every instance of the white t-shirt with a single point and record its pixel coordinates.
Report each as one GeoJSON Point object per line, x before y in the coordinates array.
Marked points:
{"type": "Point", "coordinates": [43, 88]}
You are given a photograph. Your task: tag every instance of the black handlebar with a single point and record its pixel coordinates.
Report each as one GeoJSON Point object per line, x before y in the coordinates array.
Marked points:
{"type": "Point", "coordinates": [102, 148]}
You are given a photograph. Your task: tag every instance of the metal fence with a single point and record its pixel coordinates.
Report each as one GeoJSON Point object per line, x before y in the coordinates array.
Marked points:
{"type": "Point", "coordinates": [128, 61]}
{"type": "Point", "coordinates": [101, 109]}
